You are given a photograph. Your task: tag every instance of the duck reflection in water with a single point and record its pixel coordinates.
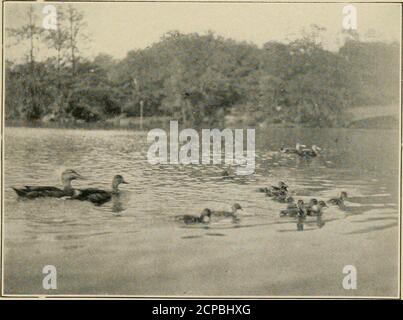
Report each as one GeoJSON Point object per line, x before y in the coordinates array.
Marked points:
{"type": "Point", "coordinates": [301, 215]}
{"type": "Point", "coordinates": [117, 205]}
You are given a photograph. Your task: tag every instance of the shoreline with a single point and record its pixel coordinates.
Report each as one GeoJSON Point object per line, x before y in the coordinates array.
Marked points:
{"type": "Point", "coordinates": [357, 125]}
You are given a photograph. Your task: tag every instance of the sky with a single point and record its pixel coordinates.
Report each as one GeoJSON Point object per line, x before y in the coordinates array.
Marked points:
{"type": "Point", "coordinates": [116, 28]}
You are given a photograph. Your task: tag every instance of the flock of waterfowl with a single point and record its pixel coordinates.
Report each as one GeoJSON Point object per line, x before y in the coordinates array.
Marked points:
{"type": "Point", "coordinates": [96, 196]}
{"type": "Point", "coordinates": [298, 209]}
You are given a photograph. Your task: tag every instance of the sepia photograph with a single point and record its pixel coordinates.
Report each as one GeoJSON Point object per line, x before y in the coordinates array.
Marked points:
{"type": "Point", "coordinates": [201, 150]}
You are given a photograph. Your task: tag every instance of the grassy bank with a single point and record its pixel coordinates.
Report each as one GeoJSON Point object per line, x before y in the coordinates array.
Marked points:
{"type": "Point", "coordinates": [366, 117]}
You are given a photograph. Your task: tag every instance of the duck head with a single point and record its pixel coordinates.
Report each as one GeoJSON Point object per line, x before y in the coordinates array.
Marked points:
{"type": "Point", "coordinates": [235, 207]}
{"type": "Point", "coordinates": [282, 185]}
{"type": "Point", "coordinates": [313, 202]}
{"type": "Point", "coordinates": [322, 204]}
{"type": "Point", "coordinates": [68, 176]}
{"type": "Point", "coordinates": [117, 180]}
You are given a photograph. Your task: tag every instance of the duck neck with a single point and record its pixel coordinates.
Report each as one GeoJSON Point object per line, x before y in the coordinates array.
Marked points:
{"type": "Point", "coordinates": [115, 187]}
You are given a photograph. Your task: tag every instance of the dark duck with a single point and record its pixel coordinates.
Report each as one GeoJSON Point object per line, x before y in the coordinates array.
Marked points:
{"type": "Point", "coordinates": [98, 196]}
{"type": "Point", "coordinates": [277, 190]}
{"type": "Point", "coordinates": [274, 189]}
{"type": "Point", "coordinates": [204, 217]}
{"type": "Point", "coordinates": [339, 201]}
{"type": "Point", "coordinates": [32, 192]}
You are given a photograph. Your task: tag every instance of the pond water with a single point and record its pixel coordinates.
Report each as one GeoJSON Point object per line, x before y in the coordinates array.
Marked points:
{"type": "Point", "coordinates": [133, 245]}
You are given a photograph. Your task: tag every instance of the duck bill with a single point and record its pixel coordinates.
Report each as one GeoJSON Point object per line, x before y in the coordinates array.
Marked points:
{"type": "Point", "coordinates": [79, 176]}
{"type": "Point", "coordinates": [124, 182]}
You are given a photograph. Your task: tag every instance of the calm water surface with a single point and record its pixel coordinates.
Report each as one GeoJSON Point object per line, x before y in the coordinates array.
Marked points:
{"type": "Point", "coordinates": [137, 233]}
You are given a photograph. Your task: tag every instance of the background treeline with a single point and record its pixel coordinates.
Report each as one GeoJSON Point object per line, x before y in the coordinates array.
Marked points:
{"type": "Point", "coordinates": [197, 79]}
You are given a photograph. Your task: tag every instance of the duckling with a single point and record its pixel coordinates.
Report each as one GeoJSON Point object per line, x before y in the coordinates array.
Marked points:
{"type": "Point", "coordinates": [291, 208]}
{"type": "Point", "coordinates": [339, 201]}
{"type": "Point", "coordinates": [98, 196]}
{"type": "Point", "coordinates": [312, 203]}
{"type": "Point", "coordinates": [235, 207]}
{"type": "Point", "coordinates": [32, 192]}
{"type": "Point", "coordinates": [277, 190]}
{"type": "Point", "coordinates": [317, 208]}
{"type": "Point", "coordinates": [313, 152]}
{"type": "Point", "coordinates": [204, 217]}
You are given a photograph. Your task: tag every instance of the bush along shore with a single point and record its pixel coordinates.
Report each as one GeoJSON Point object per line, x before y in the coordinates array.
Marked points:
{"type": "Point", "coordinates": [196, 79]}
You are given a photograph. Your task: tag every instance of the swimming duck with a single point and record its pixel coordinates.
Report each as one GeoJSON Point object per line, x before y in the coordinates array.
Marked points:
{"type": "Point", "coordinates": [313, 152]}
{"type": "Point", "coordinates": [32, 192]}
{"type": "Point", "coordinates": [235, 207]}
{"type": "Point", "coordinates": [291, 209]}
{"type": "Point", "coordinates": [316, 209]}
{"type": "Point", "coordinates": [312, 203]}
{"type": "Point", "coordinates": [339, 201]}
{"type": "Point", "coordinates": [204, 217]}
{"type": "Point", "coordinates": [277, 190]}
{"type": "Point", "coordinates": [98, 196]}
{"type": "Point", "coordinates": [282, 186]}
{"type": "Point", "coordinates": [298, 148]}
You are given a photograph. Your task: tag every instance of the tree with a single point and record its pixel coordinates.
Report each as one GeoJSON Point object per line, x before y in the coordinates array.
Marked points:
{"type": "Point", "coordinates": [57, 39]}
{"type": "Point", "coordinates": [30, 32]}
{"type": "Point", "coordinates": [76, 25]}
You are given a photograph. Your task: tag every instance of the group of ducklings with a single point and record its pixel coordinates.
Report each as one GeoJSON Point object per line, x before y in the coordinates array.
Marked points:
{"type": "Point", "coordinates": [207, 214]}
{"type": "Point", "coordinates": [300, 209]}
